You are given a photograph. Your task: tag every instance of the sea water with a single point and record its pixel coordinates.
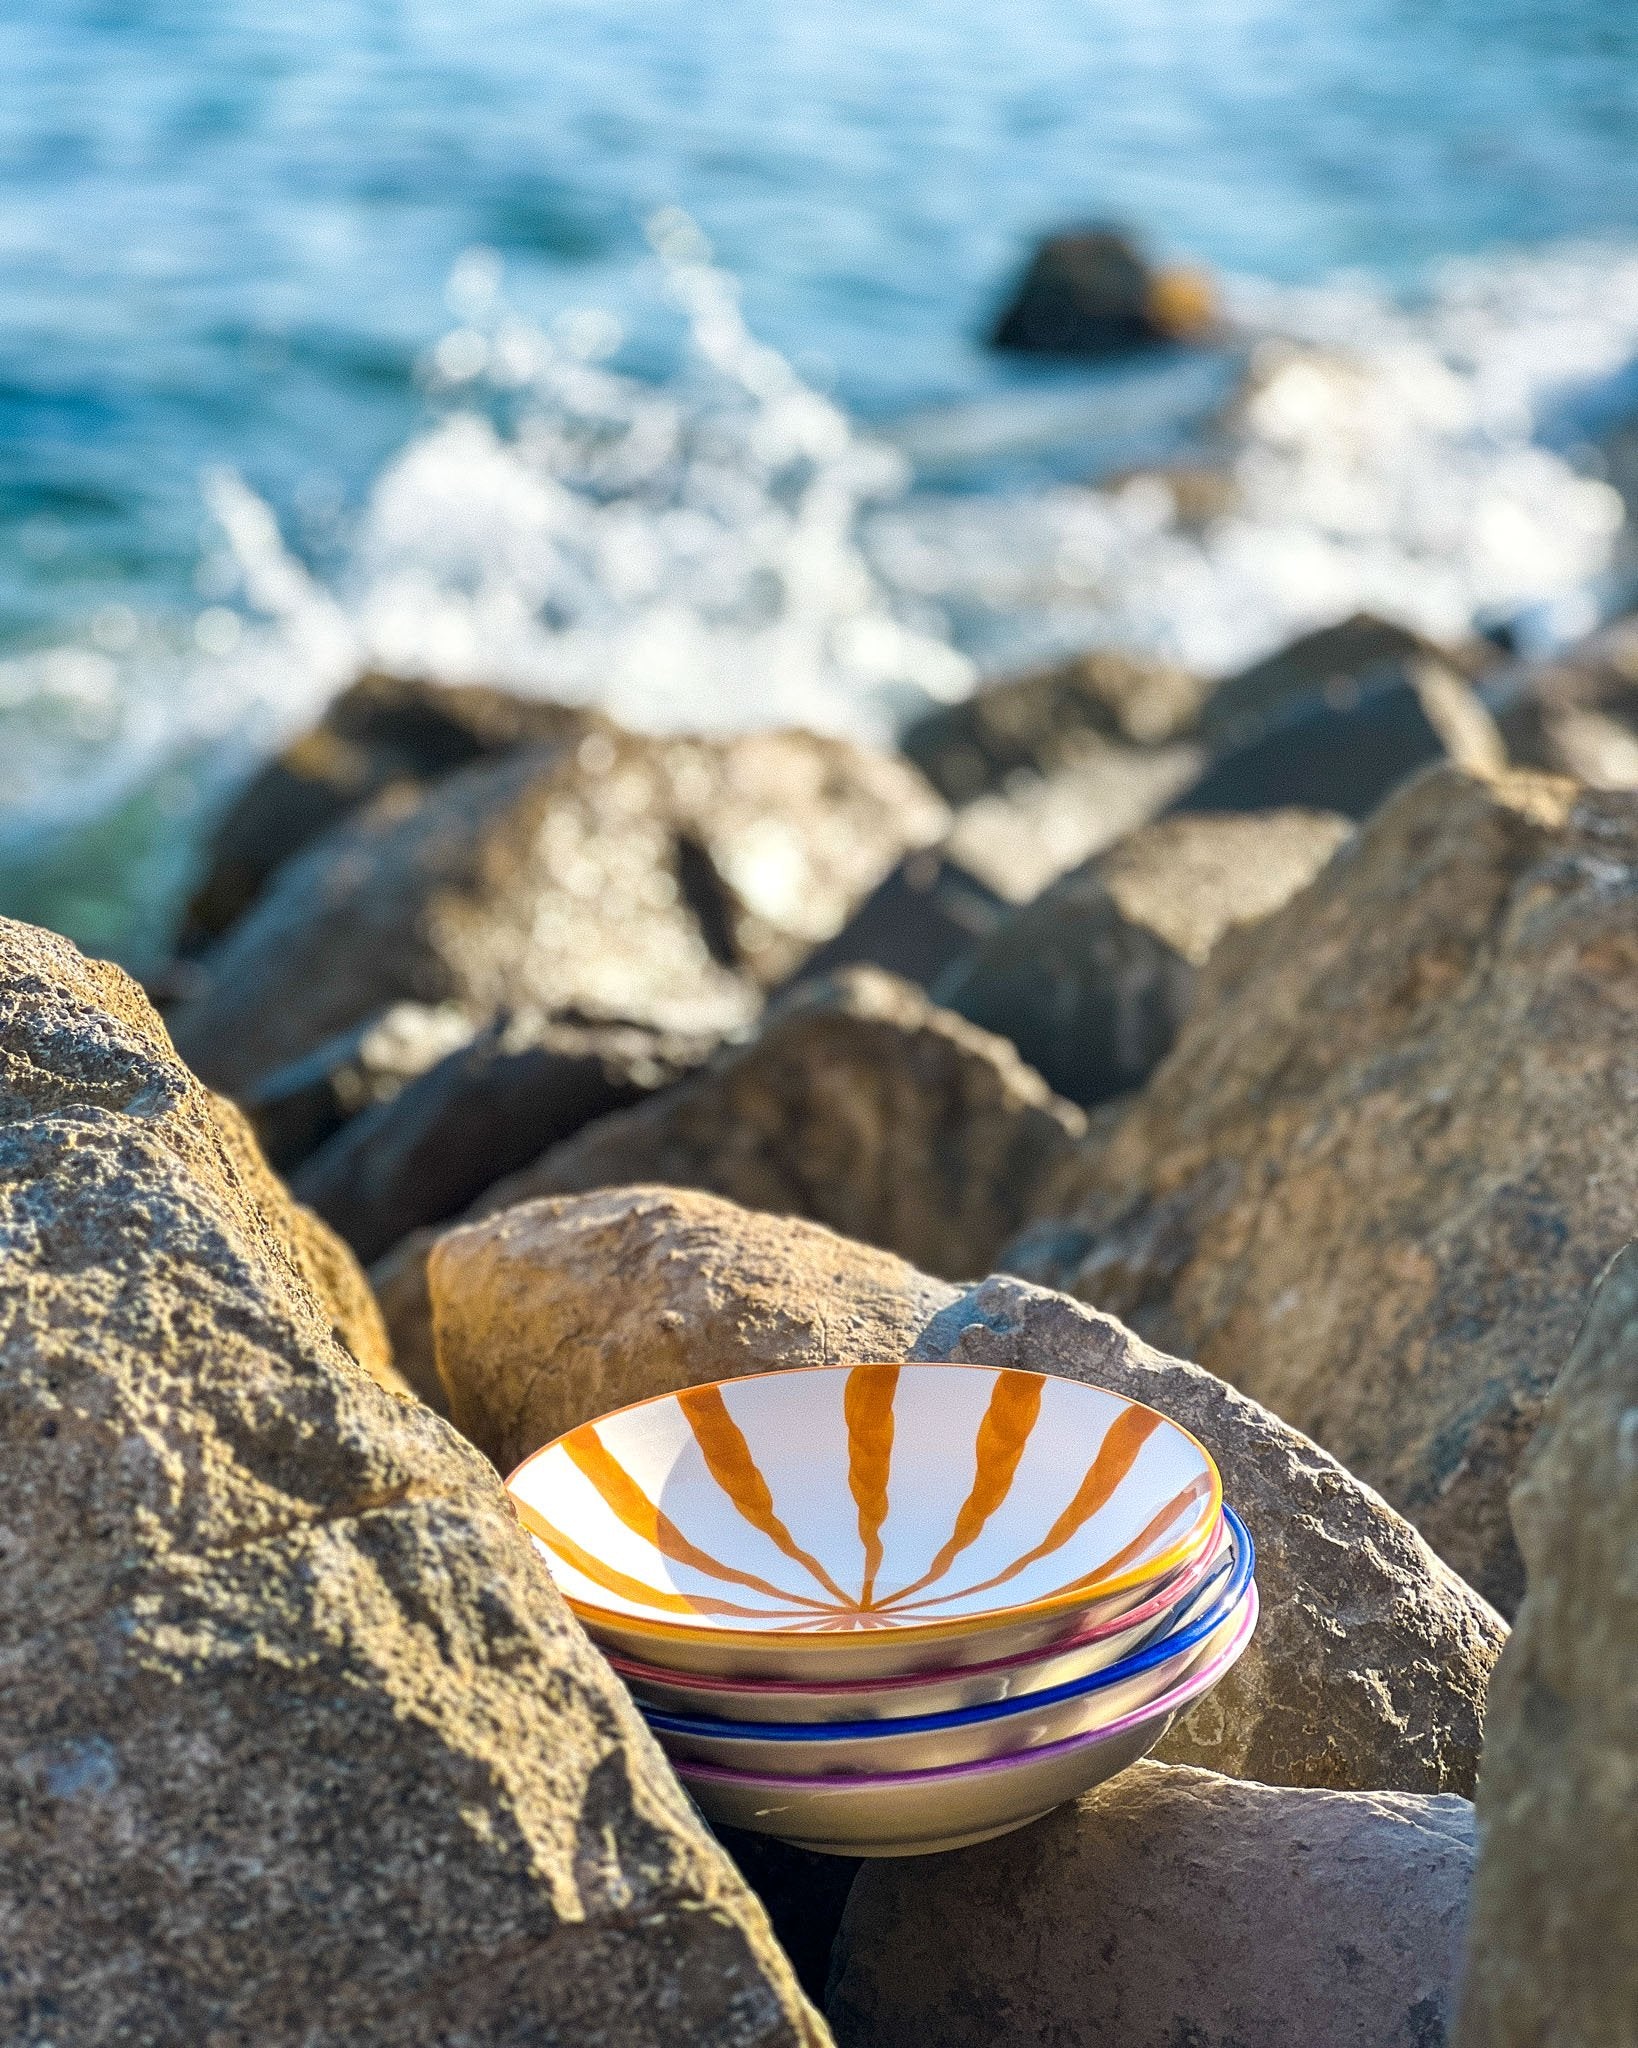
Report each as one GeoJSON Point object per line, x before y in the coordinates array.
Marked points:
{"type": "Point", "coordinates": [631, 352]}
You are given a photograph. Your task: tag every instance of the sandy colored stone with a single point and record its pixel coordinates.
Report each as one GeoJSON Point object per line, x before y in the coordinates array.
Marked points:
{"type": "Point", "coordinates": [1169, 1909]}
{"type": "Point", "coordinates": [297, 1741]}
{"type": "Point", "coordinates": [558, 1310]}
{"type": "Point", "coordinates": [1392, 1149]}
{"type": "Point", "coordinates": [1371, 1659]}
{"type": "Point", "coordinates": [382, 733]}
{"type": "Point", "coordinates": [859, 1104]}
{"type": "Point", "coordinates": [1553, 1960]}
{"type": "Point", "coordinates": [667, 882]}
{"type": "Point", "coordinates": [1093, 980]}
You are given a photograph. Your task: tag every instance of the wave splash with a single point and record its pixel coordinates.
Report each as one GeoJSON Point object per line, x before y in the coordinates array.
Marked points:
{"type": "Point", "coordinates": [729, 549]}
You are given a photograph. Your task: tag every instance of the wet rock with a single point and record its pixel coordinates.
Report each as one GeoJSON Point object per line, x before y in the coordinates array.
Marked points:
{"type": "Point", "coordinates": [665, 881]}
{"type": "Point", "coordinates": [1092, 980]}
{"type": "Point", "coordinates": [556, 1311]}
{"type": "Point", "coordinates": [1393, 1146]}
{"type": "Point", "coordinates": [297, 1739]}
{"type": "Point", "coordinates": [926, 915]}
{"type": "Point", "coordinates": [1046, 719]}
{"type": "Point", "coordinates": [1371, 1659]}
{"type": "Point", "coordinates": [1552, 1956]}
{"type": "Point", "coordinates": [1577, 714]}
{"type": "Point", "coordinates": [1092, 292]}
{"type": "Point", "coordinates": [1166, 1909]}
{"type": "Point", "coordinates": [295, 1109]}
{"type": "Point", "coordinates": [491, 1107]}
{"type": "Point", "coordinates": [383, 733]}
{"type": "Point", "coordinates": [1018, 839]}
{"type": "Point", "coordinates": [859, 1104]}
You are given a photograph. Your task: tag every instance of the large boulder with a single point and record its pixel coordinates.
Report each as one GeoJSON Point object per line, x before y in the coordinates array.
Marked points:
{"type": "Point", "coordinates": [521, 1085]}
{"type": "Point", "coordinates": [859, 1104]}
{"type": "Point", "coordinates": [297, 1740]}
{"type": "Point", "coordinates": [384, 732]}
{"type": "Point", "coordinates": [1092, 292]}
{"type": "Point", "coordinates": [666, 881]}
{"type": "Point", "coordinates": [1552, 1957]}
{"type": "Point", "coordinates": [1393, 1147]}
{"type": "Point", "coordinates": [1093, 979]}
{"type": "Point", "coordinates": [1022, 837]}
{"type": "Point", "coordinates": [1169, 1909]}
{"type": "Point", "coordinates": [1044, 719]}
{"type": "Point", "coordinates": [1334, 666]}
{"type": "Point", "coordinates": [1371, 1660]}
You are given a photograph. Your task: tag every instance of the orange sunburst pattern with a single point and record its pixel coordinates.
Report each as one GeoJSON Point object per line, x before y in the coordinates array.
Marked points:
{"type": "Point", "coordinates": [855, 1500]}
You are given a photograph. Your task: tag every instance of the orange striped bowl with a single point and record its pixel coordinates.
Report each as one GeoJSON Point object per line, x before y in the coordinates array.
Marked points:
{"type": "Point", "coordinates": [864, 1521]}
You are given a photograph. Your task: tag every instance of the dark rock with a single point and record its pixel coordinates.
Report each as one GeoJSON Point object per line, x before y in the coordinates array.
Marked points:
{"type": "Point", "coordinates": [297, 1740]}
{"type": "Point", "coordinates": [667, 881]}
{"type": "Point", "coordinates": [1371, 1659]}
{"type": "Point", "coordinates": [803, 1894]}
{"type": "Point", "coordinates": [1393, 1146]}
{"type": "Point", "coordinates": [1170, 1909]}
{"type": "Point", "coordinates": [1336, 666]}
{"type": "Point", "coordinates": [1092, 292]}
{"type": "Point", "coordinates": [1552, 1956]}
{"type": "Point", "coordinates": [295, 1109]}
{"type": "Point", "coordinates": [1350, 754]}
{"type": "Point", "coordinates": [927, 914]}
{"type": "Point", "coordinates": [491, 1107]}
{"type": "Point", "coordinates": [385, 732]}
{"type": "Point", "coordinates": [859, 1104]}
{"type": "Point", "coordinates": [1092, 980]}
{"type": "Point", "coordinates": [1043, 720]}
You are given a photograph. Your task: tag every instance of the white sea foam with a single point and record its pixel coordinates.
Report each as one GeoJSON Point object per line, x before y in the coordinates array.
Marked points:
{"type": "Point", "coordinates": [731, 550]}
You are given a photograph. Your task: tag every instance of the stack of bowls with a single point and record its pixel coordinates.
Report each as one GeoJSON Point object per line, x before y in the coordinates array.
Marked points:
{"type": "Point", "coordinates": [880, 1610]}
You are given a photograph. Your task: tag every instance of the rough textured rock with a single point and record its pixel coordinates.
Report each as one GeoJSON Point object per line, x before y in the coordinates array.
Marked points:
{"type": "Point", "coordinates": [297, 1108]}
{"type": "Point", "coordinates": [1169, 1909]}
{"type": "Point", "coordinates": [666, 881]}
{"type": "Point", "coordinates": [859, 1104]}
{"type": "Point", "coordinates": [297, 1741]}
{"type": "Point", "coordinates": [1092, 292]}
{"type": "Point", "coordinates": [926, 915]}
{"type": "Point", "coordinates": [1335, 667]}
{"type": "Point", "coordinates": [1041, 720]}
{"type": "Point", "coordinates": [1348, 755]}
{"type": "Point", "coordinates": [557, 1311]}
{"type": "Point", "coordinates": [1578, 712]}
{"type": "Point", "coordinates": [1552, 1959]}
{"type": "Point", "coordinates": [1092, 980]}
{"type": "Point", "coordinates": [1371, 1660]}
{"type": "Point", "coordinates": [1386, 1159]}
{"type": "Point", "coordinates": [521, 1085]}
{"type": "Point", "coordinates": [385, 732]}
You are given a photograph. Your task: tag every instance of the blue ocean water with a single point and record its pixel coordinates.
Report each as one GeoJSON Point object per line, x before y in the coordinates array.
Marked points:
{"type": "Point", "coordinates": [631, 348]}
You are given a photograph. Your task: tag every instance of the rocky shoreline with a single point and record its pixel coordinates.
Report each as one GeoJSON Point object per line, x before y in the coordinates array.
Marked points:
{"type": "Point", "coordinates": [1259, 1050]}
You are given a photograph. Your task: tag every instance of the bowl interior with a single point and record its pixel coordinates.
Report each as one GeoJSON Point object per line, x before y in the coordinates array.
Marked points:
{"type": "Point", "coordinates": [842, 1501]}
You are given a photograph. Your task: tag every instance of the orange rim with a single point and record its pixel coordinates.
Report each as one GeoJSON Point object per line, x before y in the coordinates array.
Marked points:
{"type": "Point", "coordinates": [1177, 1554]}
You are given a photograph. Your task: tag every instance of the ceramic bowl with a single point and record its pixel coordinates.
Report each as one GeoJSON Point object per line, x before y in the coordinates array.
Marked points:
{"type": "Point", "coordinates": [936, 1692]}
{"type": "Point", "coordinates": [914, 1813]}
{"type": "Point", "coordinates": [922, 1742]}
{"type": "Point", "coordinates": [858, 1522]}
